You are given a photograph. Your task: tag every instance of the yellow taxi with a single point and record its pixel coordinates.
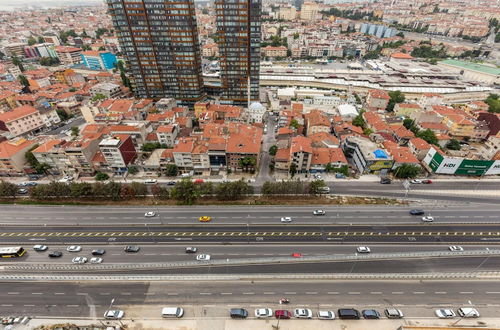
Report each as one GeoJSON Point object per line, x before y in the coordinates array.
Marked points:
{"type": "Point", "coordinates": [205, 218]}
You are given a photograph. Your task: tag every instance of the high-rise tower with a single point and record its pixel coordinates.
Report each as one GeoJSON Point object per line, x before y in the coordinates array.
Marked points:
{"type": "Point", "coordinates": [159, 39]}
{"type": "Point", "coordinates": [238, 36]}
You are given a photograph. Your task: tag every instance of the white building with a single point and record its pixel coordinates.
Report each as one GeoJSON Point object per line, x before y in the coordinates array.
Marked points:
{"type": "Point", "coordinates": [107, 89]}
{"type": "Point", "coordinates": [347, 110]}
{"type": "Point", "coordinates": [256, 112]}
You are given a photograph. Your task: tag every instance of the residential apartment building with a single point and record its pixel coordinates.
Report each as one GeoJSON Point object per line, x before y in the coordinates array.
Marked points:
{"type": "Point", "coordinates": [53, 154]}
{"type": "Point", "coordinates": [287, 13]}
{"type": "Point", "coordinates": [98, 60]}
{"type": "Point", "coordinates": [12, 159]}
{"type": "Point", "coordinates": [239, 35]}
{"type": "Point", "coordinates": [7, 101]}
{"type": "Point", "coordinates": [107, 89]}
{"type": "Point", "coordinates": [377, 99]}
{"type": "Point", "coordinates": [160, 42]}
{"type": "Point", "coordinates": [80, 153]}
{"type": "Point", "coordinates": [366, 155]}
{"type": "Point", "coordinates": [69, 55]}
{"type": "Point", "coordinates": [22, 120]}
{"type": "Point", "coordinates": [119, 152]}
{"type": "Point", "coordinates": [271, 51]}
{"type": "Point", "coordinates": [316, 121]}
{"type": "Point", "coordinates": [310, 11]}
{"type": "Point", "coordinates": [167, 134]}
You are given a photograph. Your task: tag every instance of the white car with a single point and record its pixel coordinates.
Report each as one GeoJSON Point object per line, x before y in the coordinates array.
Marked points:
{"type": "Point", "coordinates": [326, 315]}
{"type": "Point", "coordinates": [455, 248]}
{"type": "Point", "coordinates": [74, 248]}
{"type": "Point", "coordinates": [445, 313]}
{"type": "Point", "coordinates": [40, 248]}
{"type": "Point", "coordinates": [114, 315]}
{"type": "Point", "coordinates": [95, 260]}
{"type": "Point", "coordinates": [428, 218]}
{"type": "Point", "coordinates": [317, 176]}
{"type": "Point", "coordinates": [302, 313]}
{"type": "Point", "coordinates": [319, 212]}
{"type": "Point", "coordinates": [363, 249]}
{"type": "Point", "coordinates": [468, 312]}
{"type": "Point", "coordinates": [416, 181]}
{"type": "Point", "coordinates": [150, 214]}
{"type": "Point", "coordinates": [203, 257]}
{"type": "Point", "coordinates": [286, 219]}
{"type": "Point", "coordinates": [63, 180]}
{"type": "Point", "coordinates": [263, 312]}
{"type": "Point", "coordinates": [79, 260]}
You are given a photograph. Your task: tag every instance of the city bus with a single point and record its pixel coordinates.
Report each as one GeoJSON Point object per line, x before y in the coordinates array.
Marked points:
{"type": "Point", "coordinates": [12, 252]}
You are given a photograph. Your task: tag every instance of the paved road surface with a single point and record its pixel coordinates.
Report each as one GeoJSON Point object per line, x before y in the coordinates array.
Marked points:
{"type": "Point", "coordinates": [416, 298]}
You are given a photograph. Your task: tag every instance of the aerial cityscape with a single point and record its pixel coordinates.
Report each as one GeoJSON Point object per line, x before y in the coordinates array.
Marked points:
{"type": "Point", "coordinates": [250, 164]}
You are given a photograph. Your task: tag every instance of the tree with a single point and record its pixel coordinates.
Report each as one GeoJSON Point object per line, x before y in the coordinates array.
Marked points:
{"type": "Point", "coordinates": [41, 40]}
{"type": "Point", "coordinates": [160, 192]}
{"type": "Point", "coordinates": [99, 32]}
{"type": "Point", "coordinates": [62, 114]}
{"type": "Point", "coordinates": [171, 170]}
{"type": "Point", "coordinates": [139, 189]}
{"type": "Point", "coordinates": [294, 124]}
{"type": "Point", "coordinates": [98, 97]}
{"type": "Point", "coordinates": [84, 34]}
{"type": "Point", "coordinates": [100, 176]}
{"type": "Point", "coordinates": [78, 190]}
{"type": "Point", "coordinates": [31, 41]}
{"type": "Point", "coordinates": [247, 162]}
{"type": "Point", "coordinates": [407, 171]}
{"type": "Point", "coordinates": [233, 190]}
{"type": "Point", "coordinates": [75, 131]}
{"type": "Point", "coordinates": [132, 170]}
{"type": "Point", "coordinates": [359, 121]}
{"type": "Point", "coordinates": [151, 146]}
{"type": "Point", "coordinates": [293, 169]}
{"type": "Point", "coordinates": [428, 136]}
{"type": "Point", "coordinates": [18, 62]}
{"type": "Point", "coordinates": [493, 103]}
{"type": "Point", "coordinates": [48, 61]}
{"type": "Point", "coordinates": [316, 186]}
{"type": "Point", "coordinates": [273, 150]}
{"type": "Point", "coordinates": [395, 97]}
{"type": "Point", "coordinates": [453, 145]}
{"type": "Point", "coordinates": [185, 192]}
{"type": "Point", "coordinates": [408, 123]}
{"type": "Point", "coordinates": [102, 48]}
{"type": "Point", "coordinates": [24, 81]}
{"type": "Point", "coordinates": [8, 189]}
{"type": "Point", "coordinates": [367, 131]}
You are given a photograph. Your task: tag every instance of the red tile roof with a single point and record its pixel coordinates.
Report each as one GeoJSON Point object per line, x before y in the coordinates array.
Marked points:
{"type": "Point", "coordinates": [17, 113]}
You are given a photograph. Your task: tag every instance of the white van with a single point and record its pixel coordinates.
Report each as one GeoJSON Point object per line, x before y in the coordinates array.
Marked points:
{"type": "Point", "coordinates": [185, 175]}
{"type": "Point", "coordinates": [172, 312]}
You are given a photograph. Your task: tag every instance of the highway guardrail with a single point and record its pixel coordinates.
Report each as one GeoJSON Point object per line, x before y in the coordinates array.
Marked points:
{"type": "Point", "coordinates": [244, 261]}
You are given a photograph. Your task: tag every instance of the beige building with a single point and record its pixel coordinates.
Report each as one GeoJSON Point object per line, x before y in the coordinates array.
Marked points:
{"type": "Point", "coordinates": [310, 11]}
{"type": "Point", "coordinates": [68, 55]}
{"type": "Point", "coordinates": [53, 154]}
{"type": "Point", "coordinates": [287, 13]}
{"type": "Point", "coordinates": [12, 159]}
{"type": "Point", "coordinates": [21, 120]}
{"type": "Point", "coordinates": [271, 51]}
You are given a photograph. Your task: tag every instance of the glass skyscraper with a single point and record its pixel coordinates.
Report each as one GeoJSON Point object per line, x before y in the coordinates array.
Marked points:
{"type": "Point", "coordinates": [238, 35]}
{"type": "Point", "coordinates": [159, 39]}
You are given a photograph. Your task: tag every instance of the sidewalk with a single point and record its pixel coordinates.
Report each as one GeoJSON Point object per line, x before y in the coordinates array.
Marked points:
{"type": "Point", "coordinates": [294, 324]}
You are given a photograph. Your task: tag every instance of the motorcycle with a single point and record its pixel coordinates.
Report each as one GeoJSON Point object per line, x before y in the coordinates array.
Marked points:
{"type": "Point", "coordinates": [284, 301]}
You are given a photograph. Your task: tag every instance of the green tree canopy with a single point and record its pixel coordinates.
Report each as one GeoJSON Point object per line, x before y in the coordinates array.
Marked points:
{"type": "Point", "coordinates": [273, 150]}
{"type": "Point", "coordinates": [294, 123]}
{"type": "Point", "coordinates": [31, 41]}
{"type": "Point", "coordinates": [453, 145]}
{"type": "Point", "coordinates": [395, 97]}
{"type": "Point", "coordinates": [100, 176]}
{"type": "Point", "coordinates": [407, 171]}
{"type": "Point", "coordinates": [185, 192]}
{"type": "Point", "coordinates": [171, 170]}
{"type": "Point", "coordinates": [98, 97]}
{"type": "Point", "coordinates": [493, 103]}
{"type": "Point", "coordinates": [428, 136]}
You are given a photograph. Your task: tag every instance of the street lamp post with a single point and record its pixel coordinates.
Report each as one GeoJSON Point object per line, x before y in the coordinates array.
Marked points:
{"type": "Point", "coordinates": [110, 305]}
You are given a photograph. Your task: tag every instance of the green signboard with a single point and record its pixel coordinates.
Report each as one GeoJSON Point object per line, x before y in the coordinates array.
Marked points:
{"type": "Point", "coordinates": [473, 167]}
{"type": "Point", "coordinates": [435, 161]}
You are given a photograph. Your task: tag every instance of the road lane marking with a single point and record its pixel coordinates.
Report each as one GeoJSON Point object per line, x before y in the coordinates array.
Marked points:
{"type": "Point", "coordinates": [492, 292]}
{"type": "Point", "coordinates": [226, 293]}
{"type": "Point", "coordinates": [466, 292]}
{"type": "Point", "coordinates": [12, 292]}
{"type": "Point", "coordinates": [418, 292]}
{"type": "Point", "coordinates": [205, 293]}
{"type": "Point", "coordinates": [375, 292]}
{"type": "Point", "coordinates": [59, 293]}
{"type": "Point", "coordinates": [311, 293]}
{"type": "Point", "coordinates": [248, 292]}
{"type": "Point", "coordinates": [332, 292]}
{"type": "Point", "coordinates": [440, 292]}
{"type": "Point", "coordinates": [37, 293]}
{"type": "Point", "coordinates": [354, 293]}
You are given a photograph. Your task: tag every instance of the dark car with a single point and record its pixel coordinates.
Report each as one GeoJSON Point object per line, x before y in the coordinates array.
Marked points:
{"type": "Point", "coordinates": [171, 183]}
{"type": "Point", "coordinates": [55, 254]}
{"type": "Point", "coordinates": [417, 212]}
{"type": "Point", "coordinates": [98, 252]}
{"type": "Point", "coordinates": [427, 181]}
{"type": "Point", "coordinates": [385, 181]}
{"type": "Point", "coordinates": [238, 313]}
{"type": "Point", "coordinates": [132, 248]}
{"type": "Point", "coordinates": [370, 314]}
{"type": "Point", "coordinates": [282, 314]}
{"type": "Point", "coordinates": [191, 249]}
{"type": "Point", "coordinates": [348, 313]}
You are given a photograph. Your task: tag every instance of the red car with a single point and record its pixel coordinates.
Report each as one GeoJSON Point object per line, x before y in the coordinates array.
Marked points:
{"type": "Point", "coordinates": [198, 181]}
{"type": "Point", "coordinates": [282, 314]}
{"type": "Point", "coordinates": [426, 181]}
{"type": "Point", "coordinates": [297, 255]}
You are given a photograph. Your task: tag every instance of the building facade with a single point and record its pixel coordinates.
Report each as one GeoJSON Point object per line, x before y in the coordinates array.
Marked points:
{"type": "Point", "coordinates": [160, 42]}
{"type": "Point", "coordinates": [239, 35]}
{"type": "Point", "coordinates": [98, 60]}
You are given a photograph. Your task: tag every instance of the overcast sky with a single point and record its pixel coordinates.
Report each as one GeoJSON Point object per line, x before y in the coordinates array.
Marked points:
{"type": "Point", "coordinates": [46, 3]}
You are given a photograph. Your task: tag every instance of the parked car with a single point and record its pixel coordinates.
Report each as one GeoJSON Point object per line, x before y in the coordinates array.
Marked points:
{"type": "Point", "coordinates": [468, 312]}
{"type": "Point", "coordinates": [393, 313]}
{"type": "Point", "coordinates": [385, 181]}
{"type": "Point", "coordinates": [339, 176]}
{"type": "Point", "coordinates": [114, 315]}
{"type": "Point", "coordinates": [238, 313]}
{"type": "Point", "coordinates": [150, 181]}
{"type": "Point", "coordinates": [370, 314]}
{"type": "Point", "coordinates": [263, 312]}
{"type": "Point", "coordinates": [282, 314]}
{"type": "Point", "coordinates": [22, 191]}
{"type": "Point", "coordinates": [326, 315]}
{"type": "Point", "coordinates": [302, 313]}
{"type": "Point", "coordinates": [445, 313]}
{"type": "Point", "coordinates": [348, 313]}
{"type": "Point", "coordinates": [416, 181]}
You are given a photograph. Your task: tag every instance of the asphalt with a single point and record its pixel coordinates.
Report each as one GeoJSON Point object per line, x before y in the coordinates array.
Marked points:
{"type": "Point", "coordinates": [225, 215]}
{"type": "Point", "coordinates": [213, 298]}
